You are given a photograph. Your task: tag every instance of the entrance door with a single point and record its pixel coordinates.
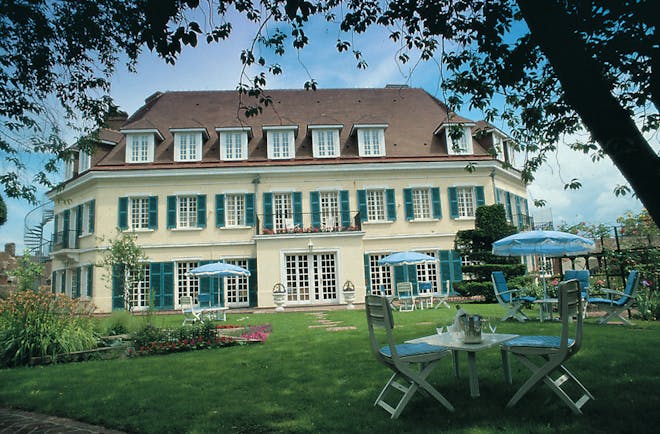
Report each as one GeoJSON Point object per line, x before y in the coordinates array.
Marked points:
{"type": "Point", "coordinates": [311, 278]}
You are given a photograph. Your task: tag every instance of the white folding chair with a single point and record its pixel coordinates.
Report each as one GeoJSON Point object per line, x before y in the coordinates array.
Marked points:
{"type": "Point", "coordinates": [401, 359]}
{"type": "Point", "coordinates": [404, 291]}
{"type": "Point", "coordinates": [553, 351]}
{"type": "Point", "coordinates": [191, 312]}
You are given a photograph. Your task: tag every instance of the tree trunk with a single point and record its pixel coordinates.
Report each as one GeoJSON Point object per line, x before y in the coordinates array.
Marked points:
{"type": "Point", "coordinates": [588, 93]}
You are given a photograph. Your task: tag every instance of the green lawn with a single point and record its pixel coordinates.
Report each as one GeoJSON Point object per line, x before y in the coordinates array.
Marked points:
{"type": "Point", "coordinates": [306, 379]}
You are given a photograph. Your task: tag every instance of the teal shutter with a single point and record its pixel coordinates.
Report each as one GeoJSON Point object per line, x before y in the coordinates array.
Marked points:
{"type": "Point", "coordinates": [252, 282]}
{"type": "Point", "coordinates": [153, 212]}
{"type": "Point", "coordinates": [509, 210]}
{"type": "Point", "coordinates": [65, 239]}
{"type": "Point", "coordinates": [156, 284]}
{"type": "Point", "coordinates": [408, 204]}
{"type": "Point", "coordinates": [268, 210]}
{"type": "Point", "coordinates": [398, 275]}
{"type": "Point", "coordinates": [362, 205]}
{"type": "Point", "coordinates": [90, 280]}
{"type": "Point", "coordinates": [207, 283]}
{"type": "Point", "coordinates": [436, 205]}
{"type": "Point", "coordinates": [391, 204]}
{"type": "Point", "coordinates": [56, 237]}
{"type": "Point", "coordinates": [75, 291]}
{"type": "Point", "coordinates": [219, 210]}
{"type": "Point", "coordinates": [450, 268]}
{"type": "Point", "coordinates": [412, 276]}
{"type": "Point", "coordinates": [201, 211]}
{"type": "Point", "coordinates": [63, 283]}
{"type": "Point", "coordinates": [168, 285]}
{"type": "Point", "coordinates": [315, 207]}
{"type": "Point", "coordinates": [345, 208]}
{"type": "Point", "coordinates": [117, 287]}
{"type": "Point", "coordinates": [79, 222]}
{"type": "Point", "coordinates": [445, 268]}
{"type": "Point", "coordinates": [53, 282]}
{"type": "Point", "coordinates": [498, 198]}
{"type": "Point", "coordinates": [453, 202]}
{"type": "Point", "coordinates": [161, 275]}
{"type": "Point", "coordinates": [526, 219]}
{"type": "Point", "coordinates": [519, 212]}
{"type": "Point", "coordinates": [367, 273]}
{"type": "Point", "coordinates": [249, 209]}
{"type": "Point", "coordinates": [457, 266]}
{"type": "Point", "coordinates": [91, 216]}
{"type": "Point", "coordinates": [171, 212]}
{"type": "Point", "coordinates": [122, 217]}
{"type": "Point", "coordinates": [479, 194]}
{"type": "Point", "coordinates": [297, 209]}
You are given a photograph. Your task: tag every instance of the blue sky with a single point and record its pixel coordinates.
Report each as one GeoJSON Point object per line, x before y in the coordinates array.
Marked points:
{"type": "Point", "coordinates": [217, 66]}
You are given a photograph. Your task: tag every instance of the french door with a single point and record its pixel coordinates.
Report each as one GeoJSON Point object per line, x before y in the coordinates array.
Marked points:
{"type": "Point", "coordinates": [311, 278]}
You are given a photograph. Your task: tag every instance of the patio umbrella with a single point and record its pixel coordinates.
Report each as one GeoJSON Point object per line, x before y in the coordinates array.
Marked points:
{"type": "Point", "coordinates": [406, 258]}
{"type": "Point", "coordinates": [218, 269]}
{"type": "Point", "coordinates": [543, 243]}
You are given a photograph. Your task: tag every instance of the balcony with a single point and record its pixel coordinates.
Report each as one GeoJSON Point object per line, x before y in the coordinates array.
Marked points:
{"type": "Point", "coordinates": [64, 240]}
{"type": "Point", "coordinates": [284, 224]}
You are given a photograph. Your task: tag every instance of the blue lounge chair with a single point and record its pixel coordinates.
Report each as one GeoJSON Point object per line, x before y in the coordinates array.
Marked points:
{"type": "Point", "coordinates": [614, 307]}
{"type": "Point", "coordinates": [509, 299]}
{"type": "Point", "coordinates": [582, 277]}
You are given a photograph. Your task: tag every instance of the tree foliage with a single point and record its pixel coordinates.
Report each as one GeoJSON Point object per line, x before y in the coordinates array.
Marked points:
{"type": "Point", "coordinates": [3, 211]}
{"type": "Point", "coordinates": [490, 226]}
{"type": "Point", "coordinates": [28, 273]}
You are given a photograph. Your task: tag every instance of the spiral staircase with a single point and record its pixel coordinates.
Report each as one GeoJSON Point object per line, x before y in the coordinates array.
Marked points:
{"type": "Point", "coordinates": [34, 238]}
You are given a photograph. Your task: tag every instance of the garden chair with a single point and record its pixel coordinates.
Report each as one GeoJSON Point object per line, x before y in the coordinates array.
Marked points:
{"type": "Point", "coordinates": [553, 352]}
{"type": "Point", "coordinates": [442, 298]}
{"type": "Point", "coordinates": [191, 312]}
{"type": "Point", "coordinates": [425, 294]}
{"type": "Point", "coordinates": [508, 298]}
{"type": "Point", "coordinates": [582, 277]}
{"type": "Point", "coordinates": [402, 359]}
{"type": "Point", "coordinates": [209, 310]}
{"type": "Point", "coordinates": [614, 307]}
{"type": "Point", "coordinates": [404, 292]}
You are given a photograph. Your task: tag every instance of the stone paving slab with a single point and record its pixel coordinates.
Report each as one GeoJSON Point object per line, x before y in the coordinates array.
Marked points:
{"type": "Point", "coordinates": [19, 421]}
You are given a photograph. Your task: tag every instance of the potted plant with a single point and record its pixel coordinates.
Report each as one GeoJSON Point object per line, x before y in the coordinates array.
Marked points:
{"type": "Point", "coordinates": [349, 294]}
{"type": "Point", "coordinates": [279, 296]}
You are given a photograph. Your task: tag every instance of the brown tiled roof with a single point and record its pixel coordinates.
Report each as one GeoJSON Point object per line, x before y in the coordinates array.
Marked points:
{"type": "Point", "coordinates": [411, 115]}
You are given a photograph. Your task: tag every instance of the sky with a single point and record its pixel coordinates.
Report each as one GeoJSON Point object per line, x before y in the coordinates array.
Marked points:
{"type": "Point", "coordinates": [217, 67]}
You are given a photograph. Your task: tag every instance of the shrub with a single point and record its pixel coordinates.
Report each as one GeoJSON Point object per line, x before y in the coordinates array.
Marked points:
{"type": "Point", "coordinates": [38, 324]}
{"type": "Point", "coordinates": [119, 323]}
{"type": "Point", "coordinates": [648, 303]}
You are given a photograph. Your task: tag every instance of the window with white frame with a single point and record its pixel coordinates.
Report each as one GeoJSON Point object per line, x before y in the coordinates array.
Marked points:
{"type": "Point", "coordinates": [283, 211]}
{"type": "Point", "coordinates": [380, 278]}
{"type": "Point", "coordinates": [459, 140]}
{"type": "Point", "coordinates": [235, 209]}
{"type": "Point", "coordinates": [138, 212]}
{"type": "Point", "coordinates": [329, 206]}
{"type": "Point", "coordinates": [428, 271]}
{"type": "Point", "coordinates": [421, 198]}
{"type": "Point", "coordinates": [139, 287]}
{"type": "Point", "coordinates": [466, 201]}
{"type": "Point", "coordinates": [84, 161]}
{"type": "Point", "coordinates": [371, 142]}
{"type": "Point", "coordinates": [186, 285]}
{"type": "Point", "coordinates": [186, 215]}
{"type": "Point", "coordinates": [325, 142]}
{"type": "Point", "coordinates": [281, 143]}
{"type": "Point", "coordinates": [86, 209]}
{"type": "Point", "coordinates": [233, 145]}
{"type": "Point", "coordinates": [187, 146]}
{"type": "Point", "coordinates": [84, 290]}
{"type": "Point", "coordinates": [68, 169]}
{"type": "Point", "coordinates": [139, 148]}
{"type": "Point", "coordinates": [236, 287]}
{"type": "Point", "coordinates": [376, 205]}
{"type": "Point", "coordinates": [498, 146]}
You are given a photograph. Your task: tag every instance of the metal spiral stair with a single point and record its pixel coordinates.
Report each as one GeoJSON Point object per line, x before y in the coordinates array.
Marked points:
{"type": "Point", "coordinates": [33, 231]}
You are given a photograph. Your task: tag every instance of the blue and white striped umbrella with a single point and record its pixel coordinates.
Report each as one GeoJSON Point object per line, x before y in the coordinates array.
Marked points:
{"type": "Point", "coordinates": [406, 258]}
{"type": "Point", "coordinates": [218, 269]}
{"type": "Point", "coordinates": [543, 243]}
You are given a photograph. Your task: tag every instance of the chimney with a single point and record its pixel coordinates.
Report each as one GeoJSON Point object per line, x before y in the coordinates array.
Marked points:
{"type": "Point", "coordinates": [10, 249]}
{"type": "Point", "coordinates": [115, 118]}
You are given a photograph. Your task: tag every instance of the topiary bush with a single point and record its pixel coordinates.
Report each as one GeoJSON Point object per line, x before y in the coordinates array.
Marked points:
{"type": "Point", "coordinates": [38, 324]}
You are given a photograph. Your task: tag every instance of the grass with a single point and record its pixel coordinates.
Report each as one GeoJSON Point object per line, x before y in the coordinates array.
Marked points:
{"type": "Point", "coordinates": [308, 380]}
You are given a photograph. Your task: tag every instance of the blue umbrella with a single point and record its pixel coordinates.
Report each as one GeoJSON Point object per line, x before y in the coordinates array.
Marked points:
{"type": "Point", "coordinates": [406, 258]}
{"type": "Point", "coordinates": [218, 269]}
{"type": "Point", "coordinates": [543, 243]}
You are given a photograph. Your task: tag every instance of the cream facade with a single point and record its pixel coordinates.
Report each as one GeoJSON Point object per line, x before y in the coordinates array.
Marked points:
{"type": "Point", "coordinates": [311, 222]}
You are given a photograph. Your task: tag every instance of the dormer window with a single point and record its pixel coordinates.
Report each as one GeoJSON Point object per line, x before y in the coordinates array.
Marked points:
{"type": "Point", "coordinates": [84, 161]}
{"type": "Point", "coordinates": [371, 140]}
{"type": "Point", "coordinates": [188, 144]}
{"type": "Point", "coordinates": [325, 140]}
{"type": "Point", "coordinates": [233, 143]}
{"type": "Point", "coordinates": [140, 145]}
{"type": "Point", "coordinates": [498, 146]}
{"type": "Point", "coordinates": [281, 142]}
{"type": "Point", "coordinates": [68, 169]}
{"type": "Point", "coordinates": [459, 140]}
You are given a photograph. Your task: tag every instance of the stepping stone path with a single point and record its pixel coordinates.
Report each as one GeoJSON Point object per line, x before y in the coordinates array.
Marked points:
{"type": "Point", "coordinates": [323, 322]}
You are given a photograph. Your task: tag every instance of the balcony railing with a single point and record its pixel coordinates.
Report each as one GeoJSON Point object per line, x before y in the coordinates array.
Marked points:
{"type": "Point", "coordinates": [64, 240]}
{"type": "Point", "coordinates": [286, 224]}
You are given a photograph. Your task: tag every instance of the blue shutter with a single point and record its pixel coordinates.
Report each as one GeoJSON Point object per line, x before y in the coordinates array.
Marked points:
{"type": "Point", "coordinates": [315, 207]}
{"type": "Point", "coordinates": [201, 211]}
{"type": "Point", "coordinates": [168, 285]}
{"type": "Point", "coordinates": [456, 266]}
{"type": "Point", "coordinates": [161, 275]}
{"type": "Point", "coordinates": [92, 206]}
{"type": "Point", "coordinates": [519, 212]}
{"type": "Point", "coordinates": [453, 202]}
{"type": "Point", "coordinates": [412, 276]}
{"type": "Point", "coordinates": [153, 212]}
{"type": "Point", "coordinates": [249, 209]}
{"type": "Point", "coordinates": [391, 204]}
{"type": "Point", "coordinates": [219, 210]}
{"type": "Point", "coordinates": [90, 280]}
{"type": "Point", "coordinates": [297, 209]}
{"type": "Point", "coordinates": [207, 284]}
{"type": "Point", "coordinates": [252, 282]}
{"type": "Point", "coordinates": [63, 283]}
{"type": "Point", "coordinates": [75, 291]}
{"type": "Point", "coordinates": [450, 268]}
{"type": "Point", "coordinates": [79, 222]}
{"type": "Point", "coordinates": [171, 212]}
{"type": "Point", "coordinates": [527, 220]}
{"type": "Point", "coordinates": [398, 275]}
{"type": "Point", "coordinates": [445, 269]}
{"type": "Point", "coordinates": [156, 284]}
{"type": "Point", "coordinates": [362, 204]}
{"type": "Point", "coordinates": [479, 194]}
{"type": "Point", "coordinates": [268, 210]}
{"type": "Point", "coordinates": [65, 240]}
{"type": "Point", "coordinates": [56, 237]}
{"type": "Point", "coordinates": [53, 283]}
{"type": "Point", "coordinates": [117, 287]}
{"type": "Point", "coordinates": [122, 217]}
{"type": "Point", "coordinates": [345, 208]}
{"type": "Point", "coordinates": [435, 203]}
{"type": "Point", "coordinates": [498, 198]}
{"type": "Point", "coordinates": [367, 273]}
{"type": "Point", "coordinates": [509, 211]}
{"type": "Point", "coordinates": [408, 204]}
